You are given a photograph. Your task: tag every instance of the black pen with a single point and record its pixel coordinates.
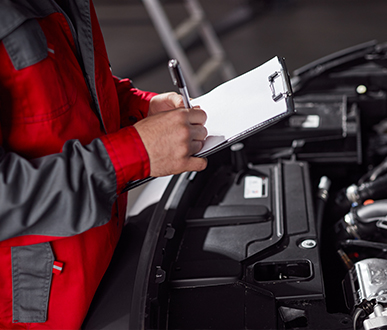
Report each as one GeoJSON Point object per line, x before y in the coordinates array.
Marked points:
{"type": "Point", "coordinates": [178, 80]}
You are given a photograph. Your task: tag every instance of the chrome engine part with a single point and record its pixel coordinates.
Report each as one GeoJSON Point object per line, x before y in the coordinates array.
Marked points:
{"type": "Point", "coordinates": [368, 279]}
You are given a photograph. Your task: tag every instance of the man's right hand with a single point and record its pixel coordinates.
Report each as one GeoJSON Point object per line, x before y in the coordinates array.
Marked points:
{"type": "Point", "coordinates": [171, 138]}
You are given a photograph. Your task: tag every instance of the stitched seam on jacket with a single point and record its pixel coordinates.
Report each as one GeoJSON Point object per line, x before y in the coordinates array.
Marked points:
{"type": "Point", "coordinates": [31, 282]}
{"type": "Point", "coordinates": [27, 45]}
{"type": "Point", "coordinates": [11, 17]}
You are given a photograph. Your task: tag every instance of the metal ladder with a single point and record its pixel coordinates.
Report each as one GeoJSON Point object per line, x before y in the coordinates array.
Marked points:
{"type": "Point", "coordinates": [172, 37]}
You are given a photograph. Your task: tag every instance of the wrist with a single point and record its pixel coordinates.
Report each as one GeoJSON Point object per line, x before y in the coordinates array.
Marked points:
{"type": "Point", "coordinates": [128, 156]}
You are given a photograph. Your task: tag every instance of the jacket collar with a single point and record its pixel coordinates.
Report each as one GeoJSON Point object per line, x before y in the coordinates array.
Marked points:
{"type": "Point", "coordinates": [13, 13]}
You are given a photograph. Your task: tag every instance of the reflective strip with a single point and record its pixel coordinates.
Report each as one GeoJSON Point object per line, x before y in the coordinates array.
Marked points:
{"type": "Point", "coordinates": [57, 267]}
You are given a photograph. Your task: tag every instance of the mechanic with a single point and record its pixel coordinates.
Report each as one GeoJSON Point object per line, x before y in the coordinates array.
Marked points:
{"type": "Point", "coordinates": [72, 137]}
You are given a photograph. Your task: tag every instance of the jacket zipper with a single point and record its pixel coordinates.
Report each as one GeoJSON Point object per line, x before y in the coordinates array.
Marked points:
{"type": "Point", "coordinates": [73, 32]}
{"type": "Point", "coordinates": [80, 59]}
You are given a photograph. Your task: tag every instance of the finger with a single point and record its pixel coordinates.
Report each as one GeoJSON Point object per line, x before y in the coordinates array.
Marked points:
{"type": "Point", "coordinates": [195, 147]}
{"type": "Point", "coordinates": [198, 132]}
{"type": "Point", "coordinates": [176, 100]}
{"type": "Point", "coordinates": [196, 164]}
{"type": "Point", "coordinates": [197, 116]}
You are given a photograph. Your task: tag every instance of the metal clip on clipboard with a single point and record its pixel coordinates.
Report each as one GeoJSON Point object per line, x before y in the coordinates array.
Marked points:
{"type": "Point", "coordinates": [278, 96]}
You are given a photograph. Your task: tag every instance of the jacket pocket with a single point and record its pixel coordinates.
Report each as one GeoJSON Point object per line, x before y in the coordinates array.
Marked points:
{"type": "Point", "coordinates": [26, 45]}
{"type": "Point", "coordinates": [34, 87]}
{"type": "Point", "coordinates": [31, 282]}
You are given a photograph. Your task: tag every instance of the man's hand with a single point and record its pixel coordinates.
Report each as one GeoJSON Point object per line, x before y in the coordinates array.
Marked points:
{"type": "Point", "coordinates": [165, 102]}
{"type": "Point", "coordinates": [171, 138]}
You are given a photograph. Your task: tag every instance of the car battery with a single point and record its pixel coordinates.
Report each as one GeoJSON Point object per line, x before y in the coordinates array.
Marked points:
{"type": "Point", "coordinates": [325, 129]}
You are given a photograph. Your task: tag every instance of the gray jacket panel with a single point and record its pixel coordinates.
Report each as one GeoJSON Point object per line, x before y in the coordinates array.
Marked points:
{"type": "Point", "coordinates": [57, 195]}
{"type": "Point", "coordinates": [31, 281]}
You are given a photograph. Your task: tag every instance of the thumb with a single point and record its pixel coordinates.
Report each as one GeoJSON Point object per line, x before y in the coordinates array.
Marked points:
{"type": "Point", "coordinates": [176, 100]}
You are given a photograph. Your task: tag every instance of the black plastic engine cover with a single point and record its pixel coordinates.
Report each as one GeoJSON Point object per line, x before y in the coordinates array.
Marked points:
{"type": "Point", "coordinates": [239, 251]}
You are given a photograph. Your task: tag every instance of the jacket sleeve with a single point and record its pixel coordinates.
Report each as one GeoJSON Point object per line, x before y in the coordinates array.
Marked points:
{"type": "Point", "coordinates": [134, 103]}
{"type": "Point", "coordinates": [65, 194]}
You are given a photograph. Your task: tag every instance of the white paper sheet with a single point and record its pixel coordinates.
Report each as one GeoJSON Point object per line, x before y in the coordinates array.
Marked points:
{"type": "Point", "coordinates": [241, 104]}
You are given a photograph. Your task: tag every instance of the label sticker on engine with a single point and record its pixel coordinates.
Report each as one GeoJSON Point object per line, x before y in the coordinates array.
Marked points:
{"type": "Point", "coordinates": [255, 187]}
{"type": "Point", "coordinates": [312, 121]}
{"type": "Point", "coordinates": [303, 121]}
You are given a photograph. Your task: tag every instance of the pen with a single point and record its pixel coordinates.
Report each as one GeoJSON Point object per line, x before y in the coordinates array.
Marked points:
{"type": "Point", "coordinates": [178, 80]}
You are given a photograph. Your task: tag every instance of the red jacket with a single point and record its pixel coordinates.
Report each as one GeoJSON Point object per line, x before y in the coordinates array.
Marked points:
{"type": "Point", "coordinates": [67, 151]}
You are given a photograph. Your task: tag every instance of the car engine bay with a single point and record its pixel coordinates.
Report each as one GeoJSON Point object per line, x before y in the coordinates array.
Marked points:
{"type": "Point", "coordinates": [287, 229]}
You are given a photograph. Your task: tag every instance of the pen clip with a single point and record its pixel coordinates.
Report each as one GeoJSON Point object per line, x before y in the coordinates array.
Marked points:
{"type": "Point", "coordinates": [176, 74]}
{"type": "Point", "coordinates": [178, 80]}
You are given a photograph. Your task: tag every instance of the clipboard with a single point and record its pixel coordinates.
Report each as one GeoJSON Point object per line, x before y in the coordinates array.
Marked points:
{"type": "Point", "coordinates": [246, 105]}
{"type": "Point", "coordinates": [252, 102]}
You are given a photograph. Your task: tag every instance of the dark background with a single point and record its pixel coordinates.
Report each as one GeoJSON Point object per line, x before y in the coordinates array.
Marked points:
{"type": "Point", "coordinates": [251, 32]}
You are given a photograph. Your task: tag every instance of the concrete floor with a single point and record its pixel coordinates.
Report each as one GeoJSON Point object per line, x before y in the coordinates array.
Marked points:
{"type": "Point", "coordinates": [251, 33]}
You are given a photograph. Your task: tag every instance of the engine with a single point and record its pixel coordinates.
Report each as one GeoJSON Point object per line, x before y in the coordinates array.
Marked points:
{"type": "Point", "coordinates": [287, 230]}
